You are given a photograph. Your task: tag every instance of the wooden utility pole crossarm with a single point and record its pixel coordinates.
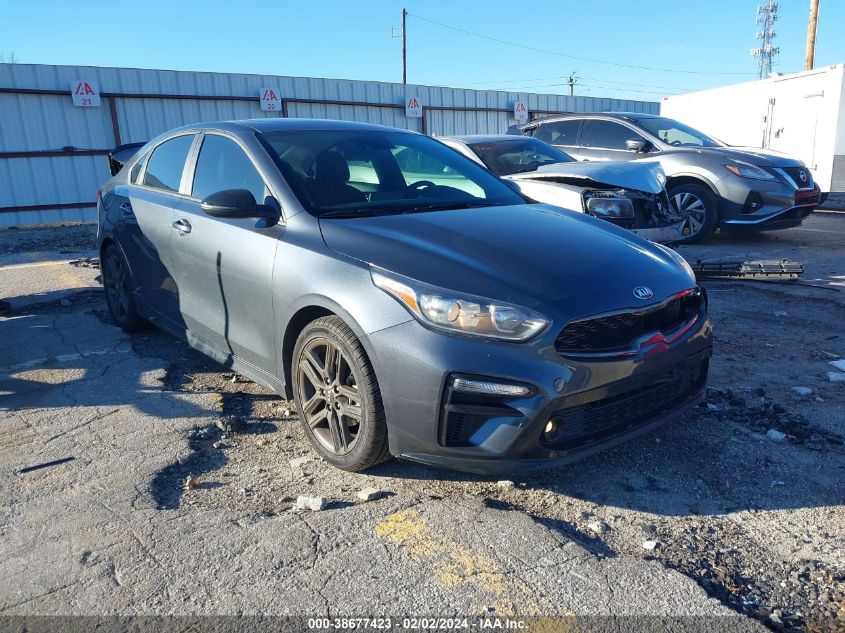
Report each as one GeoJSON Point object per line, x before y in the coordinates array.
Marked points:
{"type": "Point", "coordinates": [809, 57]}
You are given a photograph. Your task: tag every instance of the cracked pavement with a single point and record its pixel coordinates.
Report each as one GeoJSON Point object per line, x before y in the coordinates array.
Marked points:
{"type": "Point", "coordinates": [113, 531]}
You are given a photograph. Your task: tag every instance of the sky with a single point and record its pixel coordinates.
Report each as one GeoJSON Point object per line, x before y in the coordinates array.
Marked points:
{"type": "Point", "coordinates": [627, 49]}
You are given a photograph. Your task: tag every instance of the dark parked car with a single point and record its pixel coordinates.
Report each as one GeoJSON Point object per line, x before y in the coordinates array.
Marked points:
{"type": "Point", "coordinates": [419, 307]}
{"type": "Point", "coordinates": [711, 184]}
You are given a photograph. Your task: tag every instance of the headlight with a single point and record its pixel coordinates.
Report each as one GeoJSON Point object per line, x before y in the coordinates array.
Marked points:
{"type": "Point", "coordinates": [746, 170]}
{"type": "Point", "coordinates": [467, 314]}
{"type": "Point", "coordinates": [608, 205]}
{"type": "Point", "coordinates": [678, 259]}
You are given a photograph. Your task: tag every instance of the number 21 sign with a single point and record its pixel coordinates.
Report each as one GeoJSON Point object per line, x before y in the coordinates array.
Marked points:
{"type": "Point", "coordinates": [85, 94]}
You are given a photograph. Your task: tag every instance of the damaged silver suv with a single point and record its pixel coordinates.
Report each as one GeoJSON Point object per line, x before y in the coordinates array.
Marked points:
{"type": "Point", "coordinates": [711, 184]}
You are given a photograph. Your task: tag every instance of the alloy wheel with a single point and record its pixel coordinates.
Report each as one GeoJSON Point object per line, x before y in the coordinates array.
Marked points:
{"type": "Point", "coordinates": [117, 291]}
{"type": "Point", "coordinates": [692, 209]}
{"type": "Point", "coordinates": [328, 391]}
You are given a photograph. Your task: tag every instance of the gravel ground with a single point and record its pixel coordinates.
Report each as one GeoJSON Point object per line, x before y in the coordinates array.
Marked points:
{"type": "Point", "coordinates": [745, 495]}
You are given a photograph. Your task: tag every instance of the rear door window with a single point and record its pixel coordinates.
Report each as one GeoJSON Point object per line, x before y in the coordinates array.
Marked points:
{"type": "Point", "coordinates": [608, 135]}
{"type": "Point", "coordinates": [221, 165]}
{"type": "Point", "coordinates": [559, 132]}
{"type": "Point", "coordinates": [165, 166]}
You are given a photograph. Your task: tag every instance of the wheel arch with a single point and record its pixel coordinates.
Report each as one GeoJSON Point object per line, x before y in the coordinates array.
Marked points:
{"type": "Point", "coordinates": [691, 179]}
{"type": "Point", "coordinates": [311, 309]}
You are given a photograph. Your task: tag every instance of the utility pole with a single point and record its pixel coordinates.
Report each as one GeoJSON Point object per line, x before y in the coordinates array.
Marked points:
{"type": "Point", "coordinates": [404, 47]}
{"type": "Point", "coordinates": [767, 15]}
{"type": "Point", "coordinates": [401, 33]}
{"type": "Point", "coordinates": [810, 55]}
{"type": "Point", "coordinates": [571, 83]}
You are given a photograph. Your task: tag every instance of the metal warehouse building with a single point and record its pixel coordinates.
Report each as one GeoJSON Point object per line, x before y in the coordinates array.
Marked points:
{"type": "Point", "coordinates": [53, 143]}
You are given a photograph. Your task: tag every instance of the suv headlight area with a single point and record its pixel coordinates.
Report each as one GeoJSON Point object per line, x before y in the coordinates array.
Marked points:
{"type": "Point", "coordinates": [747, 170]}
{"type": "Point", "coordinates": [608, 205]}
{"type": "Point", "coordinates": [460, 313]}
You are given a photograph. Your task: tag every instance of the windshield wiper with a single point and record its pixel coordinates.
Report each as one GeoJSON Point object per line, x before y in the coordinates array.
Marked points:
{"type": "Point", "coordinates": [347, 213]}
{"type": "Point", "coordinates": [444, 206]}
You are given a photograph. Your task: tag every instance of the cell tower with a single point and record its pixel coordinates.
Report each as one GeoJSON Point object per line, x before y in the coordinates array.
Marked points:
{"type": "Point", "coordinates": [767, 15]}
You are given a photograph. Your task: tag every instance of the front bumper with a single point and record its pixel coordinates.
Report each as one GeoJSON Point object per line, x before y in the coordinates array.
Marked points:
{"type": "Point", "coordinates": [600, 401]}
{"type": "Point", "coordinates": [766, 206]}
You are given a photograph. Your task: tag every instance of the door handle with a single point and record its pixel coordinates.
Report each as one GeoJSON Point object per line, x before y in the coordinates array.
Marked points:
{"type": "Point", "coordinates": [183, 226]}
{"type": "Point", "coordinates": [126, 209]}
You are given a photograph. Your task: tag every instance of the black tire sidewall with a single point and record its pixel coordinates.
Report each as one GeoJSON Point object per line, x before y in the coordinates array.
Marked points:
{"type": "Point", "coordinates": [131, 320]}
{"type": "Point", "coordinates": [711, 215]}
{"type": "Point", "coordinates": [363, 454]}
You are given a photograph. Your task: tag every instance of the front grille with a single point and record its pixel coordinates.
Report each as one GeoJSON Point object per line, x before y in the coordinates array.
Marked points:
{"type": "Point", "coordinates": [598, 420]}
{"type": "Point", "coordinates": [795, 175]}
{"type": "Point", "coordinates": [617, 332]}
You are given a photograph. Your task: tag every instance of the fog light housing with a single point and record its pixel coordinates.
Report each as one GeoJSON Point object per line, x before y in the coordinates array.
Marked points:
{"type": "Point", "coordinates": [489, 387]}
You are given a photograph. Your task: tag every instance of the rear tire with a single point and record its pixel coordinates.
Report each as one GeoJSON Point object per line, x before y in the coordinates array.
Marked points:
{"type": "Point", "coordinates": [698, 206]}
{"type": "Point", "coordinates": [118, 286]}
{"type": "Point", "coordinates": [337, 396]}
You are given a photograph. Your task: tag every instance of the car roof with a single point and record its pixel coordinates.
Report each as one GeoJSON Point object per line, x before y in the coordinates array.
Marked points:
{"type": "Point", "coordinates": [483, 138]}
{"type": "Point", "coordinates": [283, 124]}
{"type": "Point", "coordinates": [630, 116]}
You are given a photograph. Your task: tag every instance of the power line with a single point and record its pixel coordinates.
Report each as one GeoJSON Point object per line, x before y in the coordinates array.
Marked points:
{"type": "Point", "coordinates": [563, 84]}
{"type": "Point", "coordinates": [559, 54]}
{"type": "Point", "coordinates": [609, 81]}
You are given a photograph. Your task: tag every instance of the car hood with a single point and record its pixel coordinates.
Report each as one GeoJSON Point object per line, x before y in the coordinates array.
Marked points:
{"type": "Point", "coordinates": [531, 255]}
{"type": "Point", "coordinates": [642, 176]}
{"type": "Point", "coordinates": [753, 155]}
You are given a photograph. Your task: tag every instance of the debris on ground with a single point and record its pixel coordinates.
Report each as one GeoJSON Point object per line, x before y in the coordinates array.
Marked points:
{"type": "Point", "coordinates": [650, 545]}
{"type": "Point", "coordinates": [505, 483]}
{"type": "Point", "coordinates": [370, 494]}
{"type": "Point", "coordinates": [85, 262]}
{"type": "Point", "coordinates": [775, 435]}
{"type": "Point", "coordinates": [315, 503]}
{"type": "Point", "coordinates": [220, 444]}
{"type": "Point", "coordinates": [755, 269]}
{"type": "Point", "coordinates": [839, 364]}
{"type": "Point", "coordinates": [781, 313]}
{"type": "Point", "coordinates": [191, 483]}
{"type": "Point", "coordinates": [261, 442]}
{"type": "Point", "coordinates": [598, 527]}
{"type": "Point", "coordinates": [836, 376]}
{"type": "Point", "coordinates": [55, 462]}
{"type": "Point", "coordinates": [299, 462]}
{"type": "Point", "coordinates": [802, 391]}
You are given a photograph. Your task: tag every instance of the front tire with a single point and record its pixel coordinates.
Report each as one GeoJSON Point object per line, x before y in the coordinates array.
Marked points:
{"type": "Point", "coordinates": [118, 285]}
{"type": "Point", "coordinates": [697, 205]}
{"type": "Point", "coordinates": [337, 395]}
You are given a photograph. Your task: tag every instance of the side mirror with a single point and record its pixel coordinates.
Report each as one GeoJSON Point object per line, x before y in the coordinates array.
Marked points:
{"type": "Point", "coordinates": [636, 144]}
{"type": "Point", "coordinates": [237, 203]}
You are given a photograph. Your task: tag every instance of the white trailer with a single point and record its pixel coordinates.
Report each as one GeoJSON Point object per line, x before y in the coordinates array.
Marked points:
{"type": "Point", "coordinates": [800, 114]}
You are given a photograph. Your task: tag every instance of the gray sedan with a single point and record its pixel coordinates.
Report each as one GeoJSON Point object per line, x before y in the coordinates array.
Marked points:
{"type": "Point", "coordinates": [408, 300]}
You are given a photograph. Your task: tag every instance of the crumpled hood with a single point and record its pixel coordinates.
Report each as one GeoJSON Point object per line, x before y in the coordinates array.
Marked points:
{"type": "Point", "coordinates": [531, 255]}
{"type": "Point", "coordinates": [753, 155]}
{"type": "Point", "coordinates": [641, 175]}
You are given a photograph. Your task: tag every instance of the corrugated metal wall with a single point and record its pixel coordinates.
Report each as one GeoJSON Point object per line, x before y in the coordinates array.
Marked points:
{"type": "Point", "coordinates": [37, 116]}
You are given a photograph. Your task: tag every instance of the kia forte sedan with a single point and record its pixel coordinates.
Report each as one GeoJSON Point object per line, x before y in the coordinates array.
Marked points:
{"type": "Point", "coordinates": [412, 305]}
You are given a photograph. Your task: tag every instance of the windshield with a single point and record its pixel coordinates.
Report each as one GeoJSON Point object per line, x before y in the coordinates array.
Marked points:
{"type": "Point", "coordinates": [337, 173]}
{"type": "Point", "coordinates": [674, 133]}
{"type": "Point", "coordinates": [513, 156]}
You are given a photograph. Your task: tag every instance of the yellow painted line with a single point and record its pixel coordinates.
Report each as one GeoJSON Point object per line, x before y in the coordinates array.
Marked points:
{"type": "Point", "coordinates": [35, 265]}
{"type": "Point", "coordinates": [454, 564]}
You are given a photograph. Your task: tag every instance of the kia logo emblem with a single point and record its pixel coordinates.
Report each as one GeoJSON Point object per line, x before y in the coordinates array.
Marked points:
{"type": "Point", "coordinates": [642, 292]}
